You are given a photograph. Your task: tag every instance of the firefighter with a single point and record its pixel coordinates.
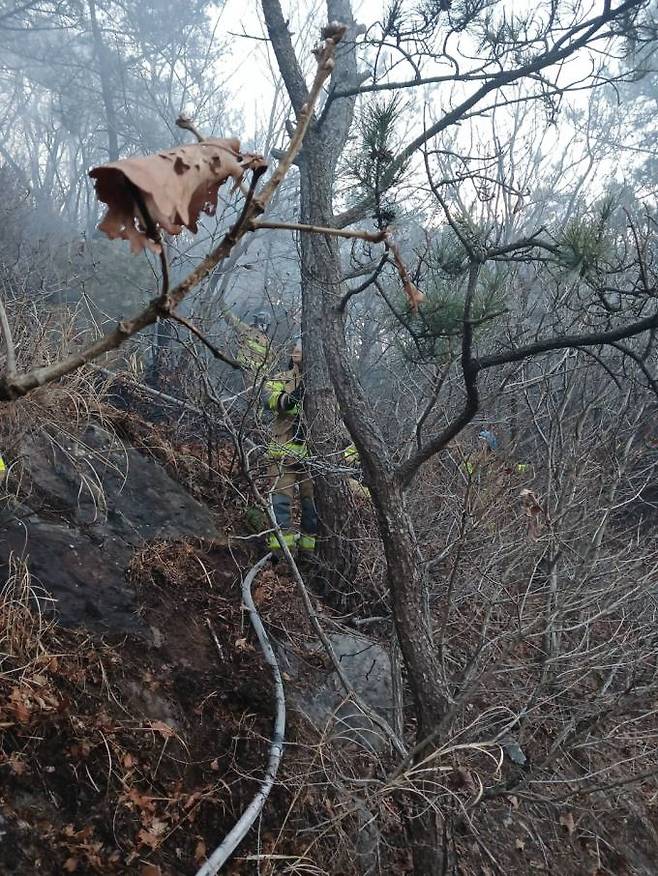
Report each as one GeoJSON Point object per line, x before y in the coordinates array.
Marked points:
{"type": "Point", "coordinates": [287, 453]}
{"type": "Point", "coordinates": [254, 345]}
{"type": "Point", "coordinates": [489, 452]}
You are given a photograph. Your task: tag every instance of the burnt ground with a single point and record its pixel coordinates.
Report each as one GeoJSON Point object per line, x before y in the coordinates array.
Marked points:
{"type": "Point", "coordinates": [133, 749]}
{"type": "Point", "coordinates": [137, 755]}
{"type": "Point", "coordinates": [128, 757]}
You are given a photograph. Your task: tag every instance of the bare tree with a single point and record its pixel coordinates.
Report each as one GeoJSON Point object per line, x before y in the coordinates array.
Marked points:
{"type": "Point", "coordinates": [525, 50]}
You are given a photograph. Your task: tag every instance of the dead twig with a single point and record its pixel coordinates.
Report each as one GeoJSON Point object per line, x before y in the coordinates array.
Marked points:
{"type": "Point", "coordinates": [204, 340]}
{"type": "Point", "coordinates": [187, 124]}
{"type": "Point", "coordinates": [359, 234]}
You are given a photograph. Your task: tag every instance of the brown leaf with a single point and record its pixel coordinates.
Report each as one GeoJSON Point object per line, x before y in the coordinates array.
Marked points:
{"type": "Point", "coordinates": [192, 799]}
{"type": "Point", "coordinates": [566, 820]}
{"type": "Point", "coordinates": [148, 838]}
{"type": "Point", "coordinates": [150, 870]}
{"type": "Point", "coordinates": [162, 728]}
{"type": "Point", "coordinates": [200, 852]}
{"type": "Point", "coordinates": [128, 761]}
{"type": "Point", "coordinates": [17, 765]}
{"type": "Point", "coordinates": [71, 865]}
{"type": "Point", "coordinates": [260, 594]}
{"type": "Point", "coordinates": [20, 706]}
{"type": "Point", "coordinates": [414, 294]}
{"type": "Point", "coordinates": [175, 186]}
{"type": "Point", "coordinates": [142, 801]}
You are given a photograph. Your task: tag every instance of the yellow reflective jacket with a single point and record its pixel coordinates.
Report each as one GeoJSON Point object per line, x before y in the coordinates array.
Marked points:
{"type": "Point", "coordinates": [288, 437]}
{"type": "Point", "coordinates": [253, 346]}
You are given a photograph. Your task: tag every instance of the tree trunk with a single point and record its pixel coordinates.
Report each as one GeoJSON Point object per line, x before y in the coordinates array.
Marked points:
{"type": "Point", "coordinates": [104, 72]}
{"type": "Point", "coordinates": [329, 378]}
{"type": "Point", "coordinates": [321, 274]}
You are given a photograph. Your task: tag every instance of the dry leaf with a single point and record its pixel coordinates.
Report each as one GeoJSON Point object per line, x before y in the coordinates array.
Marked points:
{"type": "Point", "coordinates": [20, 706]}
{"type": "Point", "coordinates": [533, 510]}
{"type": "Point", "coordinates": [200, 852]}
{"type": "Point", "coordinates": [148, 838]}
{"type": "Point", "coordinates": [142, 801]}
{"type": "Point", "coordinates": [214, 765]}
{"type": "Point", "coordinates": [175, 186]}
{"type": "Point", "coordinates": [261, 593]}
{"type": "Point", "coordinates": [519, 844]}
{"type": "Point", "coordinates": [566, 820]}
{"type": "Point", "coordinates": [162, 728]}
{"type": "Point", "coordinates": [412, 292]}
{"type": "Point", "coordinates": [71, 865]}
{"type": "Point", "coordinates": [17, 765]}
{"type": "Point", "coordinates": [192, 799]}
{"type": "Point", "coordinates": [150, 870]}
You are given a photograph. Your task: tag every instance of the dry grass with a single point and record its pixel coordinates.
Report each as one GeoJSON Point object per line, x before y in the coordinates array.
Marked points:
{"type": "Point", "coordinates": [23, 627]}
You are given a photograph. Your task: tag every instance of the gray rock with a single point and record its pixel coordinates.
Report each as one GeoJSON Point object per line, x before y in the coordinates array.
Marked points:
{"type": "Point", "coordinates": [323, 702]}
{"type": "Point", "coordinates": [83, 583]}
{"type": "Point", "coordinates": [86, 504]}
{"type": "Point", "coordinates": [105, 485]}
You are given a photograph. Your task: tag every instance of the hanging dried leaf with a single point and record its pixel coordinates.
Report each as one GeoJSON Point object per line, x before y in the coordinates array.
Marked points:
{"type": "Point", "coordinates": [174, 186]}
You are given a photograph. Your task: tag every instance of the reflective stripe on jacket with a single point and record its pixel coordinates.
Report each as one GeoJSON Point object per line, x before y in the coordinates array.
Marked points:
{"type": "Point", "coordinates": [287, 428]}
{"type": "Point", "coordinates": [291, 449]}
{"type": "Point", "coordinates": [253, 352]}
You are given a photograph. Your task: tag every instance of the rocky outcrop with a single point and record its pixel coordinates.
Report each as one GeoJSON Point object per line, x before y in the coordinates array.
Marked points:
{"type": "Point", "coordinates": [84, 505]}
{"type": "Point", "coordinates": [322, 699]}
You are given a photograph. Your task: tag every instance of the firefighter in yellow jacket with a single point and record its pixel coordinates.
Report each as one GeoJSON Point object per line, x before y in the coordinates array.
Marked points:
{"type": "Point", "coordinates": [254, 347]}
{"type": "Point", "coordinates": [287, 452]}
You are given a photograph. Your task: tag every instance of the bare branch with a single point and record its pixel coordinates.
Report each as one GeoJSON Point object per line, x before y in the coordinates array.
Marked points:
{"type": "Point", "coordinates": [563, 342]}
{"type": "Point", "coordinates": [204, 340]}
{"type": "Point", "coordinates": [567, 45]}
{"type": "Point", "coordinates": [9, 343]}
{"type": "Point", "coordinates": [408, 469]}
{"type": "Point", "coordinates": [366, 283]}
{"type": "Point", "coordinates": [368, 236]}
{"type": "Point", "coordinates": [187, 124]}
